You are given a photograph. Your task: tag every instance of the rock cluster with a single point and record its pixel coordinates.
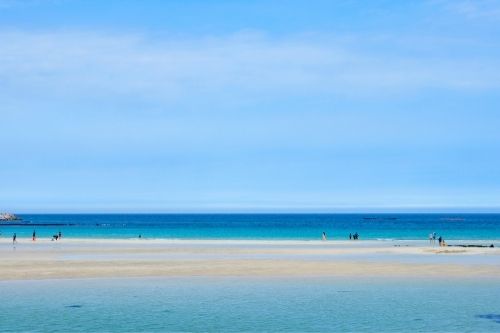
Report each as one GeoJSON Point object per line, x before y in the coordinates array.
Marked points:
{"type": "Point", "coordinates": [8, 217]}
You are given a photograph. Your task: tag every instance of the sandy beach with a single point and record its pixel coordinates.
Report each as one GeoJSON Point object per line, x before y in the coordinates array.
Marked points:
{"type": "Point", "coordinates": [93, 258]}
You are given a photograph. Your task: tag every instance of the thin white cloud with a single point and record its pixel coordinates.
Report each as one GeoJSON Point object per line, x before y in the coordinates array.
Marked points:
{"type": "Point", "coordinates": [95, 65]}
{"type": "Point", "coordinates": [477, 9]}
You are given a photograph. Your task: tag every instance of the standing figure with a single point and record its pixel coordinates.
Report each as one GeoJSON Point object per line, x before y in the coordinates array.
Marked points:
{"type": "Point", "coordinates": [14, 239]}
{"type": "Point", "coordinates": [323, 236]}
{"type": "Point", "coordinates": [34, 235]}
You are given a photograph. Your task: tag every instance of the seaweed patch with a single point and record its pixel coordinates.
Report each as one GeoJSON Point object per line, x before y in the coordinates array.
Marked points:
{"type": "Point", "coordinates": [490, 316]}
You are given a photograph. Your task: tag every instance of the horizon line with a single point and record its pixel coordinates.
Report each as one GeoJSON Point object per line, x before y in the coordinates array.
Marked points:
{"type": "Point", "coordinates": [372, 210]}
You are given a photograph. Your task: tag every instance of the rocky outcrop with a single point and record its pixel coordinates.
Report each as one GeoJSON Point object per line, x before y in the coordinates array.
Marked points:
{"type": "Point", "coordinates": [8, 217]}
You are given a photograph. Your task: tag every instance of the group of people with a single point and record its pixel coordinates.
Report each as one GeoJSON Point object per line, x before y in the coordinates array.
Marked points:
{"type": "Point", "coordinates": [354, 236]}
{"type": "Point", "coordinates": [57, 236]}
{"type": "Point", "coordinates": [432, 239]}
{"type": "Point", "coordinates": [33, 237]}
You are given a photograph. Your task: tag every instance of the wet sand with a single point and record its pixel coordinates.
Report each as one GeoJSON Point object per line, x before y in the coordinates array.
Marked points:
{"type": "Point", "coordinates": [94, 258]}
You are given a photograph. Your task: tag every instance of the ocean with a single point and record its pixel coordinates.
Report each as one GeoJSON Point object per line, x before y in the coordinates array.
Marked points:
{"type": "Point", "coordinates": [258, 226]}
{"type": "Point", "coordinates": [244, 304]}
{"type": "Point", "coordinates": [199, 303]}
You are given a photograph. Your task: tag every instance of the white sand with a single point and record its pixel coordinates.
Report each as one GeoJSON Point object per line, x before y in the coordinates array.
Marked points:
{"type": "Point", "coordinates": [81, 258]}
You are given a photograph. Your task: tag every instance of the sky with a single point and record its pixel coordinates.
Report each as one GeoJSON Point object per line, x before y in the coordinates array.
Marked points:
{"type": "Point", "coordinates": [249, 106]}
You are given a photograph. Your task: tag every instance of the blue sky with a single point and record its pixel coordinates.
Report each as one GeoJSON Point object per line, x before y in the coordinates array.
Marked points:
{"type": "Point", "coordinates": [202, 106]}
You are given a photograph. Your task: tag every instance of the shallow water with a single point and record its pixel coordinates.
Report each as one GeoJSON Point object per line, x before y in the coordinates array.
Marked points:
{"type": "Point", "coordinates": [260, 226]}
{"type": "Point", "coordinates": [249, 304]}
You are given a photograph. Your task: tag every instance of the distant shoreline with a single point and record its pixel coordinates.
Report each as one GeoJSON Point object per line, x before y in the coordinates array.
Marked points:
{"type": "Point", "coordinates": [367, 213]}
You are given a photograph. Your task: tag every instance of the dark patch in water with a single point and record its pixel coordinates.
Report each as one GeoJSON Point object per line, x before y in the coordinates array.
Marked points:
{"type": "Point", "coordinates": [345, 291]}
{"type": "Point", "coordinates": [490, 316]}
{"type": "Point", "coordinates": [417, 319]}
{"type": "Point", "coordinates": [74, 306]}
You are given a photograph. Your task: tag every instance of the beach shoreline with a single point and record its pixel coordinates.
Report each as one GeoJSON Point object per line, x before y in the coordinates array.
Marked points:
{"type": "Point", "coordinates": [107, 258]}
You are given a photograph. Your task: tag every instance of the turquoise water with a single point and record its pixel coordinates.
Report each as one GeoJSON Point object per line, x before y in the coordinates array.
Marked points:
{"type": "Point", "coordinates": [260, 226]}
{"type": "Point", "coordinates": [249, 304]}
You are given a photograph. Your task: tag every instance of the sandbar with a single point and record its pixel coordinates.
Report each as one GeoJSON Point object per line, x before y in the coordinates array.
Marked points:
{"type": "Point", "coordinates": [103, 258]}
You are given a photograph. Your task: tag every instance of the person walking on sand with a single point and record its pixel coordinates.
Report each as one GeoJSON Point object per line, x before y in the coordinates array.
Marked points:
{"type": "Point", "coordinates": [430, 239]}
{"type": "Point", "coordinates": [440, 239]}
{"type": "Point", "coordinates": [34, 235]}
{"type": "Point", "coordinates": [14, 239]}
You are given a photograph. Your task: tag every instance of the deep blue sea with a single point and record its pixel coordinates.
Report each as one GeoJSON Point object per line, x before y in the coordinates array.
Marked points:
{"type": "Point", "coordinates": [259, 226]}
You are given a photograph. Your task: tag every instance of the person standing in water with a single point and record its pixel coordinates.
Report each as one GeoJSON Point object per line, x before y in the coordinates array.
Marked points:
{"type": "Point", "coordinates": [14, 239]}
{"type": "Point", "coordinates": [323, 236]}
{"type": "Point", "coordinates": [60, 235]}
{"type": "Point", "coordinates": [34, 235]}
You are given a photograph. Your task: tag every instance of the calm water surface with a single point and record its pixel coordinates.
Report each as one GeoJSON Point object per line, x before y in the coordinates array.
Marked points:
{"type": "Point", "coordinates": [260, 226]}
{"type": "Point", "coordinates": [249, 304]}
